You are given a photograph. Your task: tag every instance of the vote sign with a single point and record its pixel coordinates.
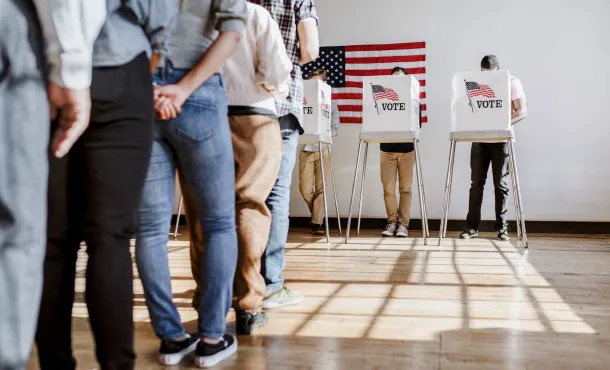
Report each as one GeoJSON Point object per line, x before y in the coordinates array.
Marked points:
{"type": "Point", "coordinates": [316, 107]}
{"type": "Point", "coordinates": [481, 101]}
{"type": "Point", "coordinates": [390, 103]}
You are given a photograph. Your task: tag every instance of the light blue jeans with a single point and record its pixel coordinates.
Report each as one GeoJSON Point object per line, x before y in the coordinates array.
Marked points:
{"type": "Point", "coordinates": [198, 143]}
{"type": "Point", "coordinates": [273, 261]}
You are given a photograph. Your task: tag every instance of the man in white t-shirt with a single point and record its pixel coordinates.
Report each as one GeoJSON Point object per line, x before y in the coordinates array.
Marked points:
{"type": "Point", "coordinates": [482, 154]}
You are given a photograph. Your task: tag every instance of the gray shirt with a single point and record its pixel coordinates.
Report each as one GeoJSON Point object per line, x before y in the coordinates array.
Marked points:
{"type": "Point", "coordinates": [133, 27]}
{"type": "Point", "coordinates": [198, 26]}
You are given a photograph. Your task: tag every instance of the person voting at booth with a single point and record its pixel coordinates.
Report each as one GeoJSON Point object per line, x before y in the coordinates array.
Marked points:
{"type": "Point", "coordinates": [310, 171]}
{"type": "Point", "coordinates": [482, 154]}
{"type": "Point", "coordinates": [396, 163]}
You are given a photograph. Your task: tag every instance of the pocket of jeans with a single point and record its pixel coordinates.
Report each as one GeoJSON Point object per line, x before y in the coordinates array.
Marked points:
{"type": "Point", "coordinates": [198, 120]}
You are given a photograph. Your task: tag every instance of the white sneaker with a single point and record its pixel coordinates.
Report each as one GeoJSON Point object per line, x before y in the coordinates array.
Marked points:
{"type": "Point", "coordinates": [402, 232]}
{"type": "Point", "coordinates": [390, 230]}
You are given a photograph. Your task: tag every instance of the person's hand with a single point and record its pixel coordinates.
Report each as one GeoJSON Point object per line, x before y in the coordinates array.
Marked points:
{"type": "Point", "coordinates": [169, 100]}
{"type": "Point", "coordinates": [72, 108]}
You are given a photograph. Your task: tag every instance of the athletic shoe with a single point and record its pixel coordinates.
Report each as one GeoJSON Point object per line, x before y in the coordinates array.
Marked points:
{"type": "Point", "coordinates": [248, 322]}
{"type": "Point", "coordinates": [469, 234]}
{"type": "Point", "coordinates": [503, 235]}
{"type": "Point", "coordinates": [281, 298]}
{"type": "Point", "coordinates": [390, 230]}
{"type": "Point", "coordinates": [172, 352]}
{"type": "Point", "coordinates": [209, 355]}
{"type": "Point", "coordinates": [317, 229]}
{"type": "Point", "coordinates": [402, 231]}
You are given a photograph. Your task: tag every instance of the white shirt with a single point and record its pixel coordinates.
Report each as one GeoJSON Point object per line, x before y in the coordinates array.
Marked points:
{"type": "Point", "coordinates": [70, 27]}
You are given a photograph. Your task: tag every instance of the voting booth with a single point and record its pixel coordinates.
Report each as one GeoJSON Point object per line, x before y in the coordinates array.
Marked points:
{"type": "Point", "coordinates": [317, 97]}
{"type": "Point", "coordinates": [390, 114]}
{"type": "Point", "coordinates": [481, 111]}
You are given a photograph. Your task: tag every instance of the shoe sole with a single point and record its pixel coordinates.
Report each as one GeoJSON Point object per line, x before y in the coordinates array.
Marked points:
{"type": "Point", "coordinates": [469, 237]}
{"type": "Point", "coordinates": [274, 305]}
{"type": "Point", "coordinates": [204, 362]}
{"type": "Point", "coordinates": [387, 235]}
{"type": "Point", "coordinates": [399, 235]}
{"type": "Point", "coordinates": [175, 358]}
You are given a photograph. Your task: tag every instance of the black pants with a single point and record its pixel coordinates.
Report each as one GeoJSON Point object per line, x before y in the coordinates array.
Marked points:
{"type": "Point", "coordinates": [94, 193]}
{"type": "Point", "coordinates": [481, 155]}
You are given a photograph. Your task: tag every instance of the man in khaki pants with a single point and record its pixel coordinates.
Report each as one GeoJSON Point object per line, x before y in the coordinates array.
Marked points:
{"type": "Point", "coordinates": [397, 158]}
{"type": "Point", "coordinates": [310, 171]}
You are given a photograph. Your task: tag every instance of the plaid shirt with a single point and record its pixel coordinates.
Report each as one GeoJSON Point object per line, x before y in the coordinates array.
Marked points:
{"type": "Point", "coordinates": [288, 14]}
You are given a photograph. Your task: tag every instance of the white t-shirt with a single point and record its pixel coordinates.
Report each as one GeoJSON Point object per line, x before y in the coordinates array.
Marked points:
{"type": "Point", "coordinates": [516, 89]}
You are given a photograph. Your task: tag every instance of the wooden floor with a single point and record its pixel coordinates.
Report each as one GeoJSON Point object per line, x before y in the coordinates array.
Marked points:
{"type": "Point", "coordinates": [397, 304]}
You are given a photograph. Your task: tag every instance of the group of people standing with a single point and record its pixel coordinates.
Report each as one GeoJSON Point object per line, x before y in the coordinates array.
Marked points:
{"type": "Point", "coordinates": [138, 91]}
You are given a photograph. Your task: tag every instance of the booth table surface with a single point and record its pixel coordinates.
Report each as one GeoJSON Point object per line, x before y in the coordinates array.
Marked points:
{"type": "Point", "coordinates": [395, 304]}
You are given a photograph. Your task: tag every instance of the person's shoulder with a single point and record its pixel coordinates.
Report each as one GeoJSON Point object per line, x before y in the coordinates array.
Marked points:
{"type": "Point", "coordinates": [258, 14]}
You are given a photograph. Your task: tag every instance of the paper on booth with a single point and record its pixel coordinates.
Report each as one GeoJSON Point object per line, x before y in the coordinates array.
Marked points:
{"type": "Point", "coordinates": [316, 108]}
{"type": "Point", "coordinates": [390, 104]}
{"type": "Point", "coordinates": [481, 101]}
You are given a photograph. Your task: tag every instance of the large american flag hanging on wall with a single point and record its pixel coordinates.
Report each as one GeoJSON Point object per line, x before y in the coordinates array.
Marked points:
{"type": "Point", "coordinates": [347, 65]}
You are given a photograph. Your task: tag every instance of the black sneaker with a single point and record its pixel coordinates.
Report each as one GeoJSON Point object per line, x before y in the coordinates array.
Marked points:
{"type": "Point", "coordinates": [503, 235]}
{"type": "Point", "coordinates": [469, 234]}
{"type": "Point", "coordinates": [172, 352]}
{"type": "Point", "coordinates": [209, 355]}
{"type": "Point", "coordinates": [248, 322]}
{"type": "Point", "coordinates": [317, 229]}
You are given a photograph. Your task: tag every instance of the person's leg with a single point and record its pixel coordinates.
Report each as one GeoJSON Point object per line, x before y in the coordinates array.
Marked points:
{"type": "Point", "coordinates": [307, 177]}
{"type": "Point", "coordinates": [479, 165]}
{"type": "Point", "coordinates": [405, 181]}
{"type": "Point", "coordinates": [317, 217]}
{"type": "Point", "coordinates": [279, 203]}
{"type": "Point", "coordinates": [116, 150]}
{"type": "Point", "coordinates": [201, 139]}
{"type": "Point", "coordinates": [24, 127]}
{"type": "Point", "coordinates": [195, 237]}
{"type": "Point", "coordinates": [257, 147]}
{"type": "Point", "coordinates": [500, 172]}
{"type": "Point", "coordinates": [388, 164]}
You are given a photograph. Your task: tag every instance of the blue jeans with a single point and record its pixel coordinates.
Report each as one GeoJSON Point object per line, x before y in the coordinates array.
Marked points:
{"type": "Point", "coordinates": [198, 144]}
{"type": "Point", "coordinates": [273, 261]}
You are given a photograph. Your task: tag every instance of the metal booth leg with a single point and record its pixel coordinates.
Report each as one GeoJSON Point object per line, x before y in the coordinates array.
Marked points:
{"type": "Point", "coordinates": [324, 191]}
{"type": "Point", "coordinates": [521, 213]}
{"type": "Point", "coordinates": [351, 199]}
{"type": "Point", "coordinates": [332, 175]}
{"type": "Point", "coordinates": [420, 193]}
{"type": "Point", "coordinates": [515, 201]}
{"type": "Point", "coordinates": [444, 216]}
{"type": "Point", "coordinates": [178, 218]}
{"type": "Point", "coordinates": [366, 153]}
{"type": "Point", "coordinates": [450, 188]}
{"type": "Point", "coordinates": [423, 189]}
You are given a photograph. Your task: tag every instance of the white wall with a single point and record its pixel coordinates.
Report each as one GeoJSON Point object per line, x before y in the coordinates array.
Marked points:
{"type": "Point", "coordinates": [559, 50]}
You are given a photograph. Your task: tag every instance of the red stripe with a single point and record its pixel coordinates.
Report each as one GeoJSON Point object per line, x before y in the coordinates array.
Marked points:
{"type": "Point", "coordinates": [358, 84]}
{"type": "Point", "coordinates": [380, 47]}
{"type": "Point", "coordinates": [350, 108]}
{"type": "Point", "coordinates": [424, 119]}
{"type": "Point", "coordinates": [422, 95]}
{"type": "Point", "coordinates": [383, 59]}
{"type": "Point", "coordinates": [380, 72]}
{"type": "Point", "coordinates": [424, 106]}
{"type": "Point", "coordinates": [357, 120]}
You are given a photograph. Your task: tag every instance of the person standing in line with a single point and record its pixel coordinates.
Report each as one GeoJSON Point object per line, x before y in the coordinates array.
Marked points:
{"type": "Point", "coordinates": [496, 154]}
{"type": "Point", "coordinates": [94, 191]}
{"type": "Point", "coordinates": [26, 94]}
{"type": "Point", "coordinates": [310, 171]}
{"type": "Point", "coordinates": [192, 134]}
{"type": "Point", "coordinates": [397, 159]}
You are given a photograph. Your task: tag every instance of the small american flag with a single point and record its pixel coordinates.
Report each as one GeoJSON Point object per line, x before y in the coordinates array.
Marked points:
{"type": "Point", "coordinates": [304, 101]}
{"type": "Point", "coordinates": [380, 92]}
{"type": "Point", "coordinates": [346, 66]}
{"type": "Point", "coordinates": [475, 89]}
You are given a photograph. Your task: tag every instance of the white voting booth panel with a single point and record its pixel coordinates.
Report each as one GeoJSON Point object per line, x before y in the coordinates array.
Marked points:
{"type": "Point", "coordinates": [481, 101]}
{"type": "Point", "coordinates": [316, 107]}
{"type": "Point", "coordinates": [390, 103]}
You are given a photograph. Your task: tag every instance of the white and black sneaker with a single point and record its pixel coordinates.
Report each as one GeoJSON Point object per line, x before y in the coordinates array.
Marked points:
{"type": "Point", "coordinates": [172, 352]}
{"type": "Point", "coordinates": [390, 230]}
{"type": "Point", "coordinates": [469, 234]}
{"type": "Point", "coordinates": [209, 355]}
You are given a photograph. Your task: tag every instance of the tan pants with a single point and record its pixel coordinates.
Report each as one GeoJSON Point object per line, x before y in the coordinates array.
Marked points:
{"type": "Point", "coordinates": [310, 175]}
{"type": "Point", "coordinates": [401, 164]}
{"type": "Point", "coordinates": [257, 147]}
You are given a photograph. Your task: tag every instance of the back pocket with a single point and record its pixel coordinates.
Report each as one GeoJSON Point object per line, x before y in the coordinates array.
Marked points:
{"type": "Point", "coordinates": [198, 120]}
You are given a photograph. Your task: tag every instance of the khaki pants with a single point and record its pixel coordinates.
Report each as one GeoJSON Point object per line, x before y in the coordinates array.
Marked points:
{"type": "Point", "coordinates": [310, 172]}
{"type": "Point", "coordinates": [401, 164]}
{"type": "Point", "coordinates": [257, 148]}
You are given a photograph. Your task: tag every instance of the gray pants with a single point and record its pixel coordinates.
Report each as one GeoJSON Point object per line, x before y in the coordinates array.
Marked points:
{"type": "Point", "coordinates": [24, 137]}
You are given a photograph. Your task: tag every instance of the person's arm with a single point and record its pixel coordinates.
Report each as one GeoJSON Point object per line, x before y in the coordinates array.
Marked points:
{"type": "Point", "coordinates": [518, 104]}
{"type": "Point", "coordinates": [307, 31]}
{"type": "Point", "coordinates": [335, 119]}
{"type": "Point", "coordinates": [274, 66]}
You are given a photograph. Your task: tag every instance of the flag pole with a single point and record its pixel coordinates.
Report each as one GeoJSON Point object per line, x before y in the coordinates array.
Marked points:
{"type": "Point", "coordinates": [467, 94]}
{"type": "Point", "coordinates": [375, 100]}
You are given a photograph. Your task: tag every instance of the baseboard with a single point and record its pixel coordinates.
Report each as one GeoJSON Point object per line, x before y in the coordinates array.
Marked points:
{"type": "Point", "coordinates": [543, 227]}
